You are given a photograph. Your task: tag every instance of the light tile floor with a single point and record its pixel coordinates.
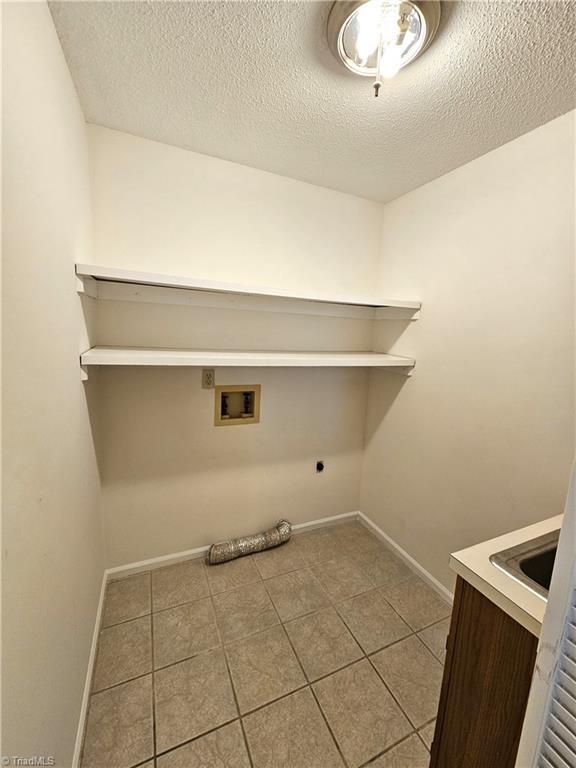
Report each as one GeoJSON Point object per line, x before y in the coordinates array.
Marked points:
{"type": "Point", "coordinates": [325, 652]}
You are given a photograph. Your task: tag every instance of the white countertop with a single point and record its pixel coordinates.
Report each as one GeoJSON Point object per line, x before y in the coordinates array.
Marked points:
{"type": "Point", "coordinates": [514, 598]}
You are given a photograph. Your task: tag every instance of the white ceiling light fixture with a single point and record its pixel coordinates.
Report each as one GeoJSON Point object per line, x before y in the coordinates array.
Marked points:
{"type": "Point", "coordinates": [376, 38]}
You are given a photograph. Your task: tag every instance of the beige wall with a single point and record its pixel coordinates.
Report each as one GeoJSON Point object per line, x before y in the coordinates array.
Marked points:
{"type": "Point", "coordinates": [480, 440]}
{"type": "Point", "coordinates": [171, 480]}
{"type": "Point", "coordinates": [165, 209]}
{"type": "Point", "coordinates": [52, 540]}
{"type": "Point", "coordinates": [474, 443]}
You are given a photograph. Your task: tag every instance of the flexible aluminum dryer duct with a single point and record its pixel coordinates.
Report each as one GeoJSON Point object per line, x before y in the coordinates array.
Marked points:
{"type": "Point", "coordinates": [247, 545]}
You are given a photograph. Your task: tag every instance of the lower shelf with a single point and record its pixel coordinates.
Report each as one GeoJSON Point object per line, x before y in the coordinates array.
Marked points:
{"type": "Point", "coordinates": [217, 358]}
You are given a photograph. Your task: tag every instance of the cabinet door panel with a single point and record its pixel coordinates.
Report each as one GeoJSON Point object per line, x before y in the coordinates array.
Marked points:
{"type": "Point", "coordinates": [487, 677]}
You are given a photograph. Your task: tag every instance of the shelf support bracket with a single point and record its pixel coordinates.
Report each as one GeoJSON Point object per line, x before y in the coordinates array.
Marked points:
{"type": "Point", "coordinates": [396, 313]}
{"type": "Point", "coordinates": [86, 286]}
{"type": "Point", "coordinates": [84, 369]}
{"type": "Point", "coordinates": [398, 370]}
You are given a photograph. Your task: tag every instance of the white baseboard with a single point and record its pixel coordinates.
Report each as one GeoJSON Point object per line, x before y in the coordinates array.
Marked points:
{"type": "Point", "coordinates": [156, 562]}
{"type": "Point", "coordinates": [188, 554]}
{"type": "Point", "coordinates": [324, 522]}
{"type": "Point", "coordinates": [89, 671]}
{"type": "Point", "coordinates": [443, 591]}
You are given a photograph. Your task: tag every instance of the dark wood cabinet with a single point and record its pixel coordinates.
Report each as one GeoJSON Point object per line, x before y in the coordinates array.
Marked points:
{"type": "Point", "coordinates": [489, 664]}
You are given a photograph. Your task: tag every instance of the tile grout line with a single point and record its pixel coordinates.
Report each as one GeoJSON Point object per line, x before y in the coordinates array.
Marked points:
{"type": "Point", "coordinates": [124, 682]}
{"type": "Point", "coordinates": [369, 762]}
{"type": "Point", "coordinates": [328, 726]}
{"type": "Point", "coordinates": [426, 747]}
{"type": "Point", "coordinates": [309, 682]}
{"type": "Point", "coordinates": [332, 603]}
{"type": "Point", "coordinates": [126, 621]}
{"type": "Point", "coordinates": [153, 758]}
{"type": "Point", "coordinates": [274, 701]}
{"type": "Point", "coordinates": [365, 656]}
{"type": "Point", "coordinates": [93, 673]}
{"type": "Point", "coordinates": [339, 669]}
{"type": "Point", "coordinates": [307, 613]}
{"type": "Point", "coordinates": [308, 565]}
{"type": "Point", "coordinates": [373, 587]}
{"type": "Point", "coordinates": [400, 707]}
{"type": "Point", "coordinates": [335, 741]}
{"type": "Point", "coordinates": [195, 738]}
{"type": "Point", "coordinates": [223, 645]}
{"type": "Point", "coordinates": [145, 762]}
{"type": "Point", "coordinates": [219, 647]}
{"type": "Point", "coordinates": [263, 581]}
{"type": "Point", "coordinates": [231, 681]}
{"type": "Point", "coordinates": [153, 672]}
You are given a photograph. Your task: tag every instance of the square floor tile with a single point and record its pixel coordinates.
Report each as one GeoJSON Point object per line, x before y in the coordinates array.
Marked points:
{"type": "Point", "coordinates": [177, 584]}
{"type": "Point", "coordinates": [184, 631]}
{"type": "Point", "coordinates": [417, 603]}
{"type": "Point", "coordinates": [224, 748]}
{"type": "Point", "coordinates": [291, 733]}
{"type": "Point", "coordinates": [244, 611]}
{"type": "Point", "coordinates": [322, 643]}
{"type": "Point", "coordinates": [263, 668]}
{"type": "Point", "coordinates": [342, 578]}
{"type": "Point", "coordinates": [236, 573]}
{"type": "Point", "coordinates": [427, 734]}
{"type": "Point", "coordinates": [297, 593]}
{"type": "Point", "coordinates": [361, 713]}
{"type": "Point", "coordinates": [126, 599]}
{"type": "Point", "coordinates": [355, 537]}
{"type": "Point", "coordinates": [192, 697]}
{"type": "Point", "coordinates": [410, 753]}
{"type": "Point", "coordinates": [414, 675]}
{"type": "Point", "coordinates": [119, 730]}
{"type": "Point", "coordinates": [435, 638]}
{"type": "Point", "coordinates": [124, 652]}
{"type": "Point", "coordinates": [372, 621]}
{"type": "Point", "coordinates": [287, 557]}
{"type": "Point", "coordinates": [383, 567]}
{"type": "Point", "coordinates": [318, 545]}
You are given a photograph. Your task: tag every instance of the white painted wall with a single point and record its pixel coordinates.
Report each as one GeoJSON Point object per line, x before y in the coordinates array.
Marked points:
{"type": "Point", "coordinates": [171, 480]}
{"type": "Point", "coordinates": [165, 209]}
{"type": "Point", "coordinates": [52, 537]}
{"type": "Point", "coordinates": [480, 440]}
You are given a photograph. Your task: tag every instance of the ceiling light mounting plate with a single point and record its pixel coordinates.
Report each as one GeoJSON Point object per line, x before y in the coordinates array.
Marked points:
{"type": "Point", "coordinates": [364, 34]}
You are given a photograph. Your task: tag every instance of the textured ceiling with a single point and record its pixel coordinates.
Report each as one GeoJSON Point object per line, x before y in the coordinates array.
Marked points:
{"type": "Point", "coordinates": [255, 83]}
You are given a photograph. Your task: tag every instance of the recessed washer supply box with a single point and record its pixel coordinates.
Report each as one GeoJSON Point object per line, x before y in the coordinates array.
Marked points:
{"type": "Point", "coordinates": [236, 404]}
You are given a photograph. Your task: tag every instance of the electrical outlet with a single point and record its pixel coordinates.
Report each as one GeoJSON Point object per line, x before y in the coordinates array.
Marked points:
{"type": "Point", "coordinates": [208, 378]}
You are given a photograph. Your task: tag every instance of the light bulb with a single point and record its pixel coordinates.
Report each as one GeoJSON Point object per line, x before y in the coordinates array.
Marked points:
{"type": "Point", "coordinates": [389, 32]}
{"type": "Point", "coordinates": [368, 31]}
{"type": "Point", "coordinates": [391, 61]}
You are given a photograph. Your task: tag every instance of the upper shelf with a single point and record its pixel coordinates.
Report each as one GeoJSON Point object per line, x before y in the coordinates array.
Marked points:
{"type": "Point", "coordinates": [115, 275]}
{"type": "Point", "coordinates": [215, 358]}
